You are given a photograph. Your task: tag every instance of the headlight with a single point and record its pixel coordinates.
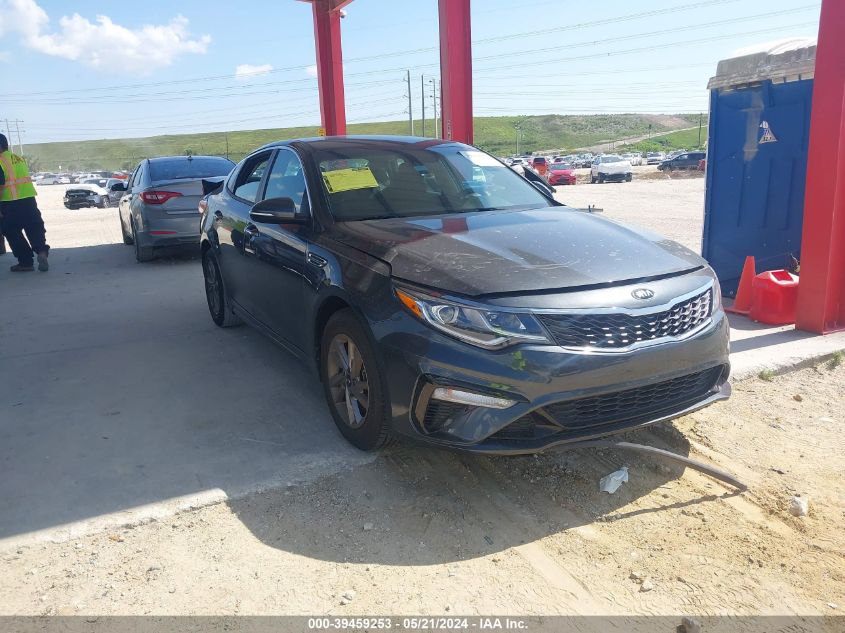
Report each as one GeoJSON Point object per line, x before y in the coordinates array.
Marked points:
{"type": "Point", "coordinates": [485, 328]}
{"type": "Point", "coordinates": [717, 296]}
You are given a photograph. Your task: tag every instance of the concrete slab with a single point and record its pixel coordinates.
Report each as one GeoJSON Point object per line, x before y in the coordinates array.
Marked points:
{"type": "Point", "coordinates": [755, 347]}
{"type": "Point", "coordinates": [121, 401]}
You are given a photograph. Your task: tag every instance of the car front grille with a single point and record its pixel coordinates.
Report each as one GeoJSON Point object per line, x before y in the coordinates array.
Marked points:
{"type": "Point", "coordinates": [608, 331]}
{"type": "Point", "coordinates": [620, 408]}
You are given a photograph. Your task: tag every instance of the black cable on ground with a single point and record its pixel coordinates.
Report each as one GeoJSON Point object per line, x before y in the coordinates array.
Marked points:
{"type": "Point", "coordinates": [713, 472]}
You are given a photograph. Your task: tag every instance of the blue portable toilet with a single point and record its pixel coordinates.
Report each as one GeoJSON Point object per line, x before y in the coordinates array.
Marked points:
{"type": "Point", "coordinates": [757, 159]}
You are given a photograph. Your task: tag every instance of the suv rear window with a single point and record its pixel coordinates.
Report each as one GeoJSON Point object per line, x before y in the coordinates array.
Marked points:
{"type": "Point", "coordinates": [184, 167]}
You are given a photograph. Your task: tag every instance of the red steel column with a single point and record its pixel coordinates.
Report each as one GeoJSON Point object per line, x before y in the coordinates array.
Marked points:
{"type": "Point", "coordinates": [330, 65]}
{"type": "Point", "coordinates": [821, 293]}
{"type": "Point", "coordinates": [456, 70]}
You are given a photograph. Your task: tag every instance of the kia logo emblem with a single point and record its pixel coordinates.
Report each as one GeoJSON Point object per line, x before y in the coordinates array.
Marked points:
{"type": "Point", "coordinates": [642, 294]}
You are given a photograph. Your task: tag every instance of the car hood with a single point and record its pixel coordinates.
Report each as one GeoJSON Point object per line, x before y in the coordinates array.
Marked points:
{"type": "Point", "coordinates": [497, 252]}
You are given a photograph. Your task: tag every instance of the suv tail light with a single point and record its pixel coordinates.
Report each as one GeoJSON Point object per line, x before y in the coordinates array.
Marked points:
{"type": "Point", "coordinates": [159, 197]}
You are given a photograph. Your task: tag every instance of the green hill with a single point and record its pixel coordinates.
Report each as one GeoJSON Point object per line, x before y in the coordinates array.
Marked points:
{"type": "Point", "coordinates": [494, 134]}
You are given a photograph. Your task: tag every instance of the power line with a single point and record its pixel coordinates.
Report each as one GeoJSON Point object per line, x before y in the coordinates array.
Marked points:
{"type": "Point", "coordinates": [532, 33]}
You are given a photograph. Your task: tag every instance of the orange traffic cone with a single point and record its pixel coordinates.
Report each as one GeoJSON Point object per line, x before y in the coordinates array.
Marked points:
{"type": "Point", "coordinates": [742, 303]}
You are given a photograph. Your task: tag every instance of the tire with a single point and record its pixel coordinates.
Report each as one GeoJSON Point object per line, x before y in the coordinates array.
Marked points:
{"type": "Point", "coordinates": [104, 203]}
{"type": "Point", "coordinates": [601, 179]}
{"type": "Point", "coordinates": [142, 253]}
{"type": "Point", "coordinates": [127, 239]}
{"type": "Point", "coordinates": [629, 177]}
{"type": "Point", "coordinates": [219, 305]}
{"type": "Point", "coordinates": [355, 391]}
{"type": "Point", "coordinates": [592, 180]}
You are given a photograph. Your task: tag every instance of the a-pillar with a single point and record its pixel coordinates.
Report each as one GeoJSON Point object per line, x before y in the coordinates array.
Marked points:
{"type": "Point", "coordinates": [821, 292]}
{"type": "Point", "coordinates": [330, 64]}
{"type": "Point", "coordinates": [456, 70]}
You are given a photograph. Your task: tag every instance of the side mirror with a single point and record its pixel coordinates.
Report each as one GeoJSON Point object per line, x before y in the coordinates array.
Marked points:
{"type": "Point", "coordinates": [275, 211]}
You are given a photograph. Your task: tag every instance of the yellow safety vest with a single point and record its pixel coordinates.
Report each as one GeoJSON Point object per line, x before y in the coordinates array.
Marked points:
{"type": "Point", "coordinates": [18, 182]}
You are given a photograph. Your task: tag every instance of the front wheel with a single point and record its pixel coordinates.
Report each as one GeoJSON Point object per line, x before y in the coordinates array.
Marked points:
{"type": "Point", "coordinates": [629, 177]}
{"type": "Point", "coordinates": [353, 384]}
{"type": "Point", "coordinates": [592, 180]}
{"type": "Point", "coordinates": [601, 179]}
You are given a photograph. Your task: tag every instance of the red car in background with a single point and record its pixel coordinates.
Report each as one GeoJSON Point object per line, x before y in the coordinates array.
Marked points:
{"type": "Point", "coordinates": [561, 174]}
{"type": "Point", "coordinates": [540, 165]}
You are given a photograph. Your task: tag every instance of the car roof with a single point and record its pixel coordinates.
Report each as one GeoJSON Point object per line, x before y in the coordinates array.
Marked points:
{"type": "Point", "coordinates": [163, 158]}
{"type": "Point", "coordinates": [326, 142]}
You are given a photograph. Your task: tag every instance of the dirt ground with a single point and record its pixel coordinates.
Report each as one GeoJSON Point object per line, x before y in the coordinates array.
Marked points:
{"type": "Point", "coordinates": [427, 532]}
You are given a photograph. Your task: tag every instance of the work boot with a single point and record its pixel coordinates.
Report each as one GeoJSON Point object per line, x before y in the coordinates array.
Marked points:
{"type": "Point", "coordinates": [22, 268]}
{"type": "Point", "coordinates": [43, 264]}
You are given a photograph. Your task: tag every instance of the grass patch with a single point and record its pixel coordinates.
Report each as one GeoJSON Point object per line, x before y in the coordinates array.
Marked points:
{"type": "Point", "coordinates": [766, 375]}
{"type": "Point", "coordinates": [836, 360]}
{"type": "Point", "coordinates": [550, 132]}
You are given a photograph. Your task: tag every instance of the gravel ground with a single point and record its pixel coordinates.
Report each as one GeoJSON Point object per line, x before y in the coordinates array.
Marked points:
{"type": "Point", "coordinates": [671, 206]}
{"type": "Point", "coordinates": [424, 531]}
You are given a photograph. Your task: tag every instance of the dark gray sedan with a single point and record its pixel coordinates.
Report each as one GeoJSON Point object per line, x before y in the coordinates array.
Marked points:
{"type": "Point", "coordinates": [442, 297]}
{"type": "Point", "coordinates": [159, 203]}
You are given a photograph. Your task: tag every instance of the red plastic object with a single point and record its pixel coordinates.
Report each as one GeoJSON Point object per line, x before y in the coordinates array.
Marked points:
{"type": "Point", "coordinates": [774, 297]}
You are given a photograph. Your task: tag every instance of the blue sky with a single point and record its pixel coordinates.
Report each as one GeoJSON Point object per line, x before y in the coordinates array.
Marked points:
{"type": "Point", "coordinates": [86, 69]}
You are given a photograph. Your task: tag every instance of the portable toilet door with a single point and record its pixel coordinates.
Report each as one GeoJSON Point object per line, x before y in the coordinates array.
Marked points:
{"type": "Point", "coordinates": [757, 159]}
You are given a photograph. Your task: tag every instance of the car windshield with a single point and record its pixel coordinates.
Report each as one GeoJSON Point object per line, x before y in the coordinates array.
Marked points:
{"type": "Point", "coordinates": [373, 181]}
{"type": "Point", "coordinates": [561, 166]}
{"type": "Point", "coordinates": [611, 159]}
{"type": "Point", "coordinates": [184, 167]}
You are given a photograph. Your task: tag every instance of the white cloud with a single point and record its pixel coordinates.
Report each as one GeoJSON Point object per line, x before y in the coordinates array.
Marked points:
{"type": "Point", "coordinates": [244, 72]}
{"type": "Point", "coordinates": [311, 71]}
{"type": "Point", "coordinates": [100, 44]}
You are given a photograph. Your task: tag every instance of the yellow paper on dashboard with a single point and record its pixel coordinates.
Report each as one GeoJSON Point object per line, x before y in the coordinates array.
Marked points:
{"type": "Point", "coordinates": [347, 179]}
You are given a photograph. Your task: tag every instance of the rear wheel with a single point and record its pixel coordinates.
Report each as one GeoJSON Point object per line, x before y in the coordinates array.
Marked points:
{"type": "Point", "coordinates": [142, 253]}
{"type": "Point", "coordinates": [104, 202]}
{"type": "Point", "coordinates": [218, 303]}
{"type": "Point", "coordinates": [592, 180]}
{"type": "Point", "coordinates": [353, 384]}
{"type": "Point", "coordinates": [629, 177]}
{"type": "Point", "coordinates": [601, 179]}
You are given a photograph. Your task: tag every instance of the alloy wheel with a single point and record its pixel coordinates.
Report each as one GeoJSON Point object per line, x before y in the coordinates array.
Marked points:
{"type": "Point", "coordinates": [348, 383]}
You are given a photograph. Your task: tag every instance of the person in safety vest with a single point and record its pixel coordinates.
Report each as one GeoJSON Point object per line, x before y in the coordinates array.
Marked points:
{"type": "Point", "coordinates": [19, 212]}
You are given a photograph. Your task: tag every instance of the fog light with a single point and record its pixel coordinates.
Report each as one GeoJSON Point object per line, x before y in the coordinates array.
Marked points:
{"type": "Point", "coordinates": [473, 399]}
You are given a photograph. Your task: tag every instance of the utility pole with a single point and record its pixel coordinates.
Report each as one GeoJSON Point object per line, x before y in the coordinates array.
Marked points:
{"type": "Point", "coordinates": [700, 115]}
{"type": "Point", "coordinates": [422, 101]}
{"type": "Point", "coordinates": [8, 131]}
{"type": "Point", "coordinates": [18, 128]}
{"type": "Point", "coordinates": [434, 101]}
{"type": "Point", "coordinates": [410, 103]}
{"type": "Point", "coordinates": [226, 135]}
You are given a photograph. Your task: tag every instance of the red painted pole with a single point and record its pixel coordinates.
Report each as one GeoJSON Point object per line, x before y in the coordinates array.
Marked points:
{"type": "Point", "coordinates": [821, 293]}
{"type": "Point", "coordinates": [329, 65]}
{"type": "Point", "coordinates": [456, 70]}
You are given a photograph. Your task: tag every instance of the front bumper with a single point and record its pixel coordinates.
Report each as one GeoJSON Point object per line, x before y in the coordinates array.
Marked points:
{"type": "Point", "coordinates": [561, 396]}
{"type": "Point", "coordinates": [614, 177]}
